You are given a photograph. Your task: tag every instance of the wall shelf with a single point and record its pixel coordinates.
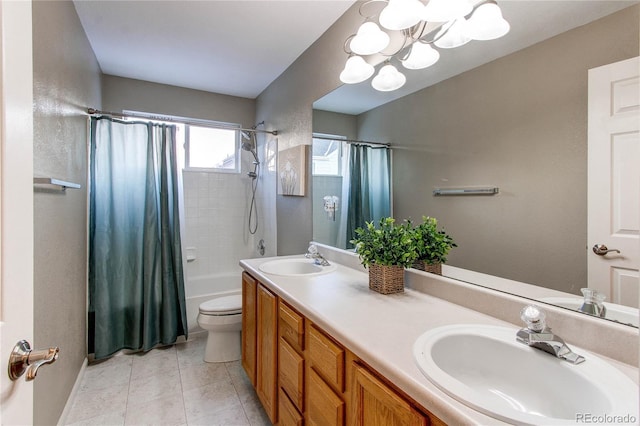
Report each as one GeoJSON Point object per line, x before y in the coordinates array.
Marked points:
{"type": "Point", "coordinates": [56, 182]}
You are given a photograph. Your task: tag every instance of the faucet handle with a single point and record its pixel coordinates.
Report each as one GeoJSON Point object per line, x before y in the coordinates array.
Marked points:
{"type": "Point", "coordinates": [534, 317]}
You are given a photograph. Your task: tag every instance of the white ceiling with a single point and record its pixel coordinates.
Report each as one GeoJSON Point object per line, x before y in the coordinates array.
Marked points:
{"type": "Point", "coordinates": [531, 22]}
{"type": "Point", "coordinates": [239, 47]}
{"type": "Point", "coordinates": [231, 47]}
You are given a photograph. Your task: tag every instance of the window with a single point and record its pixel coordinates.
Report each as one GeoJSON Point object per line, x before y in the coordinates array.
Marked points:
{"type": "Point", "coordinates": [327, 155]}
{"type": "Point", "coordinates": [211, 148]}
{"type": "Point", "coordinates": [208, 145]}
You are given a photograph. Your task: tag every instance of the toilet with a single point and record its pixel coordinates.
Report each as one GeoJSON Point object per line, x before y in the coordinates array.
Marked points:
{"type": "Point", "coordinates": [222, 318]}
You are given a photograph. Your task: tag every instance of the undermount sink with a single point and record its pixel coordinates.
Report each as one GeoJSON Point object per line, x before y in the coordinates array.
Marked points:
{"type": "Point", "coordinates": [619, 313]}
{"type": "Point", "coordinates": [485, 368]}
{"type": "Point", "coordinates": [295, 267]}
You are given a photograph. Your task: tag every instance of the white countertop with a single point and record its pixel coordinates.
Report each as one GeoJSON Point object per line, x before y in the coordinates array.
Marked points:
{"type": "Point", "coordinates": [381, 329]}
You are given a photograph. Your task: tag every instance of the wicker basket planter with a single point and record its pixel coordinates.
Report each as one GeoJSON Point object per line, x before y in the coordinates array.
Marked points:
{"type": "Point", "coordinates": [434, 268]}
{"type": "Point", "coordinates": [386, 279]}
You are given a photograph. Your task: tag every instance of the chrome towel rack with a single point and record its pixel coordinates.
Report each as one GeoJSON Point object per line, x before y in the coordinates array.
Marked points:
{"type": "Point", "coordinates": [56, 182]}
{"type": "Point", "coordinates": [492, 190]}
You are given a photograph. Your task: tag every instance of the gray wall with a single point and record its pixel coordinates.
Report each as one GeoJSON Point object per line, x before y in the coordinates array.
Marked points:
{"type": "Point", "coordinates": [286, 105]}
{"type": "Point", "coordinates": [334, 123]}
{"type": "Point", "coordinates": [520, 123]}
{"type": "Point", "coordinates": [123, 93]}
{"type": "Point", "coordinates": [66, 81]}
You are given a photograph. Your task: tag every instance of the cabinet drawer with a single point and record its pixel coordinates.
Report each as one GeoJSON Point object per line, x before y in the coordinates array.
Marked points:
{"type": "Point", "coordinates": [291, 326]}
{"type": "Point", "coordinates": [288, 415]}
{"type": "Point", "coordinates": [324, 407]}
{"type": "Point", "coordinates": [291, 372]}
{"type": "Point", "coordinates": [327, 358]}
{"type": "Point", "coordinates": [372, 401]}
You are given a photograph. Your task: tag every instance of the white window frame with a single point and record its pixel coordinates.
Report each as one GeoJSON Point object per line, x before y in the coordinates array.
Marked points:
{"type": "Point", "coordinates": [337, 138]}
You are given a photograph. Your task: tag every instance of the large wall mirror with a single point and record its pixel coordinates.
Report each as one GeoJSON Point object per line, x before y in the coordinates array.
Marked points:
{"type": "Point", "coordinates": [512, 114]}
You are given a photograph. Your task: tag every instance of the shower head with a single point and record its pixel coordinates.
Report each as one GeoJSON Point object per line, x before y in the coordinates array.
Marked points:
{"type": "Point", "coordinates": [249, 144]}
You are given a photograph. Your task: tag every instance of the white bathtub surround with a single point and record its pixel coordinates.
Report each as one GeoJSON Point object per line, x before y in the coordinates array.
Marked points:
{"type": "Point", "coordinates": [216, 213]}
{"type": "Point", "coordinates": [381, 329]}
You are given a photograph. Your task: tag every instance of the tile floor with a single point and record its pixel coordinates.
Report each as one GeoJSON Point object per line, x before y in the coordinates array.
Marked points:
{"type": "Point", "coordinates": [168, 386]}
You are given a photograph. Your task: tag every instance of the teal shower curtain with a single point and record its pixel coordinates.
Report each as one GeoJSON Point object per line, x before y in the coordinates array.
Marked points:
{"type": "Point", "coordinates": [369, 186]}
{"type": "Point", "coordinates": [136, 284]}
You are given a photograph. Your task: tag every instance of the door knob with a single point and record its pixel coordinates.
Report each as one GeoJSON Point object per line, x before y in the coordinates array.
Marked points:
{"type": "Point", "coordinates": [24, 359]}
{"type": "Point", "coordinates": [601, 249]}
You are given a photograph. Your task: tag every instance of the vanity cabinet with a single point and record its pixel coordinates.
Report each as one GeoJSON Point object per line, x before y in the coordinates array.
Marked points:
{"type": "Point", "coordinates": [267, 350]}
{"type": "Point", "coordinates": [249, 294]}
{"type": "Point", "coordinates": [303, 376]}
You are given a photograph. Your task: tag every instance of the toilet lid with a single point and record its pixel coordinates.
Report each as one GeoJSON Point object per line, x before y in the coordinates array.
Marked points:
{"type": "Point", "coordinates": [227, 305]}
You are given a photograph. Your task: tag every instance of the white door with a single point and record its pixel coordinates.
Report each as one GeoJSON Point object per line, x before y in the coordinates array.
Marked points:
{"type": "Point", "coordinates": [614, 180]}
{"type": "Point", "coordinates": [16, 198]}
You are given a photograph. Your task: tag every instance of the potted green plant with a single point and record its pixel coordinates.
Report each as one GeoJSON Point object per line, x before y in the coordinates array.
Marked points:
{"type": "Point", "coordinates": [385, 250]}
{"type": "Point", "coordinates": [431, 245]}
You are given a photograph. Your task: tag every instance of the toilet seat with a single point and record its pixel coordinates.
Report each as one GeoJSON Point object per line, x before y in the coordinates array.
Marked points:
{"type": "Point", "coordinates": [227, 305]}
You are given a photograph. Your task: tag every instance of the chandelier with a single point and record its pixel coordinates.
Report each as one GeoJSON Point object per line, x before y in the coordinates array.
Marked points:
{"type": "Point", "coordinates": [411, 22]}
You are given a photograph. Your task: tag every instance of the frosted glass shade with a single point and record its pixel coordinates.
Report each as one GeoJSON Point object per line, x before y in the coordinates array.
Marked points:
{"type": "Point", "coordinates": [401, 14]}
{"type": "Point", "coordinates": [455, 36]}
{"type": "Point", "coordinates": [356, 70]}
{"type": "Point", "coordinates": [487, 23]}
{"type": "Point", "coordinates": [388, 79]}
{"type": "Point", "coordinates": [421, 56]}
{"type": "Point", "coordinates": [445, 10]}
{"type": "Point", "coordinates": [370, 39]}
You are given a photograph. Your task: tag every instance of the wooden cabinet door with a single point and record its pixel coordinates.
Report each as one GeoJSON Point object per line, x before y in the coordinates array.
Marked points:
{"type": "Point", "coordinates": [267, 351]}
{"type": "Point", "coordinates": [249, 288]}
{"type": "Point", "coordinates": [374, 403]}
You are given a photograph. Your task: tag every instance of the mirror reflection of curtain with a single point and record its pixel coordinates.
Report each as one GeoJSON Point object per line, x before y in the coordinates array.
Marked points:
{"type": "Point", "coordinates": [369, 187]}
{"type": "Point", "coordinates": [136, 281]}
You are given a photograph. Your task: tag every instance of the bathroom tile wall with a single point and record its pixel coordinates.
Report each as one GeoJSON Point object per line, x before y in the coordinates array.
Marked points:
{"type": "Point", "coordinates": [216, 215]}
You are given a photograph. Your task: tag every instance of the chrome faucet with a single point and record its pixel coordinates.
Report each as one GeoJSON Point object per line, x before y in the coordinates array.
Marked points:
{"type": "Point", "coordinates": [539, 336]}
{"type": "Point", "coordinates": [318, 259]}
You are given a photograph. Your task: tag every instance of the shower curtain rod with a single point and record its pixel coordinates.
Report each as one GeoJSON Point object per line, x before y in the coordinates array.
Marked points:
{"type": "Point", "coordinates": [93, 111]}
{"type": "Point", "coordinates": [354, 141]}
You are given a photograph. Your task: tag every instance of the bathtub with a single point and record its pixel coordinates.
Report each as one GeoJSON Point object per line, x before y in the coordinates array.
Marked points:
{"type": "Point", "coordinates": [203, 288]}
